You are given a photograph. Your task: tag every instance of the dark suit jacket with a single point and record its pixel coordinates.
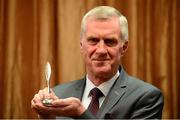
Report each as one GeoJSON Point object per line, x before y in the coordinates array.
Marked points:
{"type": "Point", "coordinates": [129, 98]}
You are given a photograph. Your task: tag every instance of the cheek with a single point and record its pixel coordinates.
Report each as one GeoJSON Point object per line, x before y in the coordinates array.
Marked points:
{"type": "Point", "coordinates": [115, 54]}
{"type": "Point", "coordinates": [118, 56]}
{"type": "Point", "coordinates": [87, 51]}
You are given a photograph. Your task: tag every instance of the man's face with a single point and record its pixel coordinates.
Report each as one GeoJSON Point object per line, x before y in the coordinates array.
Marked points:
{"type": "Point", "coordinates": [102, 47]}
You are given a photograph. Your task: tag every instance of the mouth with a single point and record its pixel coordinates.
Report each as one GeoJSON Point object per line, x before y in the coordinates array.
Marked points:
{"type": "Point", "coordinates": [101, 60]}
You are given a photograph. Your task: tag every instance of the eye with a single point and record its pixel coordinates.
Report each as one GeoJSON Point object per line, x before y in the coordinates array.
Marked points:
{"type": "Point", "coordinates": [92, 41]}
{"type": "Point", "coordinates": [111, 42]}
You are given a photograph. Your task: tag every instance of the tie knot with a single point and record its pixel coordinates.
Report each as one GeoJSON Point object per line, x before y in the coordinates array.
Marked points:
{"type": "Point", "coordinates": [96, 93]}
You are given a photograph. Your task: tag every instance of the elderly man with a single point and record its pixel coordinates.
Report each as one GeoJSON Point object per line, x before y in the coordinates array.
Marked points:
{"type": "Point", "coordinates": [106, 91]}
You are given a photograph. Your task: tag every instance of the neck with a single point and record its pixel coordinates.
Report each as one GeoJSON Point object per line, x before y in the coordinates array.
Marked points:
{"type": "Point", "coordinates": [97, 80]}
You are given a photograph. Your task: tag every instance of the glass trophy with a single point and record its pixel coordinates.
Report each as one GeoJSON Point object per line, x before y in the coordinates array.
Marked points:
{"type": "Point", "coordinates": [47, 101]}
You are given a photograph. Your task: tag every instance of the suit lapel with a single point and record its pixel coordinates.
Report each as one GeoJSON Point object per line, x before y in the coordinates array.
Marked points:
{"type": "Point", "coordinates": [114, 95]}
{"type": "Point", "coordinates": [79, 89]}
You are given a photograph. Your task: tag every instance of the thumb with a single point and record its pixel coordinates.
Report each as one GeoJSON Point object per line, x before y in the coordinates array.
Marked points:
{"type": "Point", "coordinates": [53, 95]}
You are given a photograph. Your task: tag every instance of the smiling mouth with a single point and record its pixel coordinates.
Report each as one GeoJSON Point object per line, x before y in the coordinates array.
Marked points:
{"type": "Point", "coordinates": [100, 59]}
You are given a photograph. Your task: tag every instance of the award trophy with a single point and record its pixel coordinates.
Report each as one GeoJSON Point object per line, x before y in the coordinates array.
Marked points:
{"type": "Point", "coordinates": [47, 101]}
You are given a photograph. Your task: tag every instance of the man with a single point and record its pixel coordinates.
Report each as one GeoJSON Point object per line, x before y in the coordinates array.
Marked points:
{"type": "Point", "coordinates": [104, 40]}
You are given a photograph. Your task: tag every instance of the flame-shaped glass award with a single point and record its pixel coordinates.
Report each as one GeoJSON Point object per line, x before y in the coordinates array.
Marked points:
{"type": "Point", "coordinates": [47, 101]}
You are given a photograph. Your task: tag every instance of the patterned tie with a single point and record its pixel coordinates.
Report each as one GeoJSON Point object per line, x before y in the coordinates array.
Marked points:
{"type": "Point", "coordinates": [94, 105]}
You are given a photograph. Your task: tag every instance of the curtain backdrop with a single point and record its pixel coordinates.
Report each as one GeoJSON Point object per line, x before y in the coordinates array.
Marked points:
{"type": "Point", "coordinates": [33, 32]}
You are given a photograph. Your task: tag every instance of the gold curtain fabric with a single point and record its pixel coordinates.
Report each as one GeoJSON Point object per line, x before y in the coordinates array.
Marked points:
{"type": "Point", "coordinates": [33, 32]}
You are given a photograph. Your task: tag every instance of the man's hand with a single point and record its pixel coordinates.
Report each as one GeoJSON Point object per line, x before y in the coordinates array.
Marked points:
{"type": "Point", "coordinates": [37, 105]}
{"type": "Point", "coordinates": [69, 107]}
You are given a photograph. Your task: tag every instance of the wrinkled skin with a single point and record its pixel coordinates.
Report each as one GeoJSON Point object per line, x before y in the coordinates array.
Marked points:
{"type": "Point", "coordinates": [102, 49]}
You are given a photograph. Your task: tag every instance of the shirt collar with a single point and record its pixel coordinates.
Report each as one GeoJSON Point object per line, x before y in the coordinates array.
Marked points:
{"type": "Point", "coordinates": [104, 87]}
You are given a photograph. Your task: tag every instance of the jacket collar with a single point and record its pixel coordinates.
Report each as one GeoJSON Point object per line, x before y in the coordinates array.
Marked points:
{"type": "Point", "coordinates": [115, 94]}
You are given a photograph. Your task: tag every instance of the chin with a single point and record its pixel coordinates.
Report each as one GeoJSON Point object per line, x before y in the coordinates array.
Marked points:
{"type": "Point", "coordinates": [102, 70]}
{"type": "Point", "coordinates": [102, 74]}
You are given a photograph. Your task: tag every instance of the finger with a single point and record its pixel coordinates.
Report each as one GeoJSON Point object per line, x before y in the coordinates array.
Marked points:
{"type": "Point", "coordinates": [60, 111]}
{"type": "Point", "coordinates": [37, 98]}
{"type": "Point", "coordinates": [46, 94]}
{"type": "Point", "coordinates": [32, 104]}
{"type": "Point", "coordinates": [41, 109]}
{"type": "Point", "coordinates": [69, 110]}
{"type": "Point", "coordinates": [59, 103]}
{"type": "Point", "coordinates": [53, 96]}
{"type": "Point", "coordinates": [65, 102]}
{"type": "Point", "coordinates": [52, 92]}
{"type": "Point", "coordinates": [42, 93]}
{"type": "Point", "coordinates": [50, 95]}
{"type": "Point", "coordinates": [36, 105]}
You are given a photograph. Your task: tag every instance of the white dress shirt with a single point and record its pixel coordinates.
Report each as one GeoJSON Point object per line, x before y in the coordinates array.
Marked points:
{"type": "Point", "coordinates": [104, 87]}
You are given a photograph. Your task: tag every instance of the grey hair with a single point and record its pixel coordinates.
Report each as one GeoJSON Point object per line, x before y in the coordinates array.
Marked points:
{"type": "Point", "coordinates": [105, 12]}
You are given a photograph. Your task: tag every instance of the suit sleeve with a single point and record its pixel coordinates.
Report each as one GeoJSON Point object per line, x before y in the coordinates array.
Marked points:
{"type": "Point", "coordinates": [149, 106]}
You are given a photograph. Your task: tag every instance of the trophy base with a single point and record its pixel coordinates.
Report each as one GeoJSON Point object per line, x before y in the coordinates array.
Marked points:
{"type": "Point", "coordinates": [47, 102]}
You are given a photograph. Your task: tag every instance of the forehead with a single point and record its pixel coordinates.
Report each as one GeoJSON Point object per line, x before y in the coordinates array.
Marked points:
{"type": "Point", "coordinates": [103, 26]}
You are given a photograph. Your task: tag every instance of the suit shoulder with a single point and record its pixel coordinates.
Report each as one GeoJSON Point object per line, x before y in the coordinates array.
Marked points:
{"type": "Point", "coordinates": [65, 86]}
{"type": "Point", "coordinates": [65, 89]}
{"type": "Point", "coordinates": [145, 98]}
{"type": "Point", "coordinates": [141, 85]}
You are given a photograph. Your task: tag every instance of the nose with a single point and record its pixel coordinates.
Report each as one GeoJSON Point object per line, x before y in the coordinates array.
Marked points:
{"type": "Point", "coordinates": [101, 48]}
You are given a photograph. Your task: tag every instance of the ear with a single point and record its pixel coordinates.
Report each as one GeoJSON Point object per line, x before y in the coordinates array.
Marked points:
{"type": "Point", "coordinates": [124, 47]}
{"type": "Point", "coordinates": [81, 45]}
